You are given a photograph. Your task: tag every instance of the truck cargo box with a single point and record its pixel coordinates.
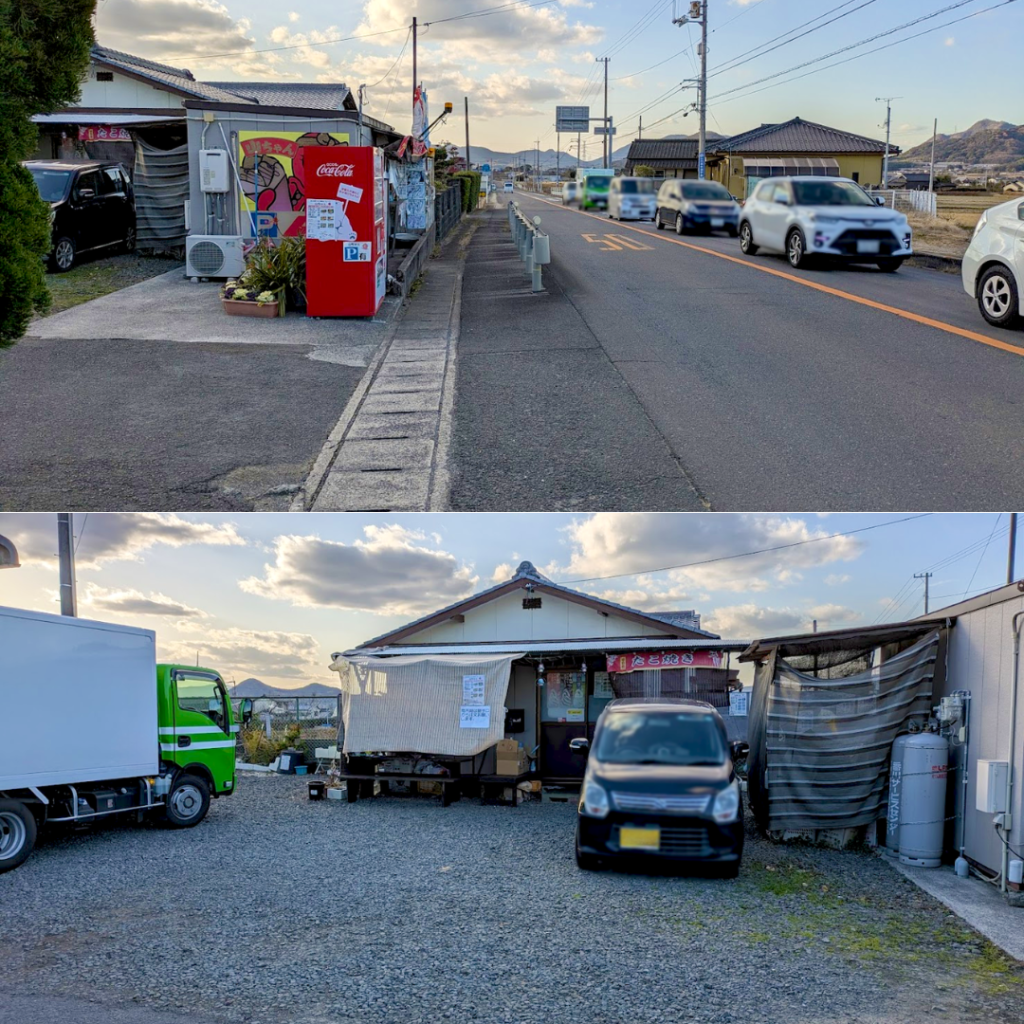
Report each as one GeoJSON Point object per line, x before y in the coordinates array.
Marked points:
{"type": "Point", "coordinates": [78, 700]}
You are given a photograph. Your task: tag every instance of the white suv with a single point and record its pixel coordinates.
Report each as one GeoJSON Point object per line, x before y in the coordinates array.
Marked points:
{"type": "Point", "coordinates": [805, 217]}
{"type": "Point", "coordinates": [993, 266]}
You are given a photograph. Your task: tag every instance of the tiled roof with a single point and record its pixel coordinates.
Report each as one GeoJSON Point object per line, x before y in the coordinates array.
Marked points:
{"type": "Point", "coordinates": [177, 79]}
{"type": "Point", "coordinates": [676, 151]}
{"type": "Point", "coordinates": [314, 95]}
{"type": "Point", "coordinates": [799, 136]}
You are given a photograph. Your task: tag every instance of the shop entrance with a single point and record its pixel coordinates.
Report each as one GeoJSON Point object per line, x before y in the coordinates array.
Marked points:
{"type": "Point", "coordinates": [570, 702]}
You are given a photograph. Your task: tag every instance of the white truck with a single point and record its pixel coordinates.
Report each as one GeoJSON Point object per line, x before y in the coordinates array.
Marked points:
{"type": "Point", "coordinates": [91, 725]}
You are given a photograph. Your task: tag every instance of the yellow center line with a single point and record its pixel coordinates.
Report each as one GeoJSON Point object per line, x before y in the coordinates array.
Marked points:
{"type": "Point", "coordinates": [927, 321]}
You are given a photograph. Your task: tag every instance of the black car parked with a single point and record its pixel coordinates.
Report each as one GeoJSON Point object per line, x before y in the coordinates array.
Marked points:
{"type": "Point", "coordinates": [660, 784]}
{"type": "Point", "coordinates": [93, 207]}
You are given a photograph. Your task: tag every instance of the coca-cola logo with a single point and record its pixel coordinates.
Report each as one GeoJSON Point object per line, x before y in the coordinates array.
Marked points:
{"type": "Point", "coordinates": [335, 170]}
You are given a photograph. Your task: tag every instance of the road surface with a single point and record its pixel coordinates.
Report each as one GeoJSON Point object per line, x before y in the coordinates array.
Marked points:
{"type": "Point", "coordinates": [766, 388]}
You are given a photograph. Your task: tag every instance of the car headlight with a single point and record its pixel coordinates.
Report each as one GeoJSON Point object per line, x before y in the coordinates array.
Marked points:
{"type": "Point", "coordinates": [594, 802]}
{"type": "Point", "coordinates": [726, 806]}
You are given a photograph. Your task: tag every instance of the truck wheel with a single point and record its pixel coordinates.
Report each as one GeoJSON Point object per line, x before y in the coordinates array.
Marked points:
{"type": "Point", "coordinates": [187, 802]}
{"type": "Point", "coordinates": [17, 834]}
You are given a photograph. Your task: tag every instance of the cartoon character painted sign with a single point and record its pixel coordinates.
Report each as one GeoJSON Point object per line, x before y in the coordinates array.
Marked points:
{"type": "Point", "coordinates": [273, 177]}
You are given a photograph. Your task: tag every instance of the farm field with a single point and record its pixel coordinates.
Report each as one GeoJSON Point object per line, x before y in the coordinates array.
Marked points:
{"type": "Point", "coordinates": [949, 233]}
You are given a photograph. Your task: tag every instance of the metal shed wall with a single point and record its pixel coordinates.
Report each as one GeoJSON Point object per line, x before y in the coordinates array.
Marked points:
{"type": "Point", "coordinates": [980, 659]}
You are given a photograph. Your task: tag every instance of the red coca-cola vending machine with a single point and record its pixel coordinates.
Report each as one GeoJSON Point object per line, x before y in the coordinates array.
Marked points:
{"type": "Point", "coordinates": [346, 254]}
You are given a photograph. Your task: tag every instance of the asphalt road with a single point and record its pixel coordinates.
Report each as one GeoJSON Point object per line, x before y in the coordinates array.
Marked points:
{"type": "Point", "coordinates": [774, 390]}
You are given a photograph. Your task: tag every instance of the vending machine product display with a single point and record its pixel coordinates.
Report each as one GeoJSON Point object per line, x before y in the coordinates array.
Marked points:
{"type": "Point", "coordinates": [346, 254]}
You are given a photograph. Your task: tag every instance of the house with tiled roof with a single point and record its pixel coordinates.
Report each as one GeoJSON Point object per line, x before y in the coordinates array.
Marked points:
{"type": "Point", "coordinates": [795, 147]}
{"type": "Point", "coordinates": [668, 158]}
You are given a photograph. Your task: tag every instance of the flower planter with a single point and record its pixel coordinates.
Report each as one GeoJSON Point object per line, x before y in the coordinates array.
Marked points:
{"type": "Point", "coordinates": [240, 307]}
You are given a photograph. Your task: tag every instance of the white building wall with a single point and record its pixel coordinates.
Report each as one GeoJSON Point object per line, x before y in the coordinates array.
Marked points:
{"type": "Point", "coordinates": [980, 659]}
{"type": "Point", "coordinates": [125, 92]}
{"type": "Point", "coordinates": [504, 618]}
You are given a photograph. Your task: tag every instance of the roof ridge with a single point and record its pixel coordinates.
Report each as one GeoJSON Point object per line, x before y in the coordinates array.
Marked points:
{"type": "Point", "coordinates": [106, 52]}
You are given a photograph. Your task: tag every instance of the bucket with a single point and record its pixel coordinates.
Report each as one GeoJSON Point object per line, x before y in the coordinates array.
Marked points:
{"type": "Point", "coordinates": [316, 790]}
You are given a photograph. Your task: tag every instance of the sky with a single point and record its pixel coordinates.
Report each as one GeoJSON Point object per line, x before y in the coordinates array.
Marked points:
{"type": "Point", "coordinates": [272, 596]}
{"type": "Point", "coordinates": [518, 63]}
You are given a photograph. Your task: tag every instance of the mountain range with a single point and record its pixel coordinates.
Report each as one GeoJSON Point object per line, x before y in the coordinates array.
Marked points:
{"type": "Point", "coordinates": [998, 143]}
{"type": "Point", "coordinates": [257, 688]}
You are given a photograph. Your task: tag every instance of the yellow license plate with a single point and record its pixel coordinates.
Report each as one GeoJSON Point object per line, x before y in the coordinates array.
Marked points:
{"type": "Point", "coordinates": [640, 838]}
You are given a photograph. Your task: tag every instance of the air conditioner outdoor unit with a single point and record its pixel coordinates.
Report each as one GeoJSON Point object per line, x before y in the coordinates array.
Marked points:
{"type": "Point", "coordinates": [214, 256]}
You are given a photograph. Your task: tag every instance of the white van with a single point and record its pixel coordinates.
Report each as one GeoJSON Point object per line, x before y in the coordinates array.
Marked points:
{"type": "Point", "coordinates": [509, 187]}
{"type": "Point", "coordinates": [631, 199]}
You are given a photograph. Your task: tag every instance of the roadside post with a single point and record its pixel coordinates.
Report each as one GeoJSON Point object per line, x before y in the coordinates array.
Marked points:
{"type": "Point", "coordinates": [533, 244]}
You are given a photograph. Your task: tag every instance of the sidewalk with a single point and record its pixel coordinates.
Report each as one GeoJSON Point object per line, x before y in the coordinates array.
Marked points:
{"type": "Point", "coordinates": [543, 418]}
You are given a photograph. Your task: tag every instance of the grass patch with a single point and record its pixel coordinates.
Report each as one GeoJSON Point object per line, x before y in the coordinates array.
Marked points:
{"type": "Point", "coordinates": [94, 278]}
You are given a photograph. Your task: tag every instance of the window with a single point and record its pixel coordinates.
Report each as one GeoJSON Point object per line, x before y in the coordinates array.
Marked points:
{"type": "Point", "coordinates": [636, 186]}
{"type": "Point", "coordinates": [113, 182]}
{"type": "Point", "coordinates": [52, 185]}
{"type": "Point", "coordinates": [204, 695]}
{"type": "Point", "coordinates": [89, 180]}
{"type": "Point", "coordinates": [706, 190]}
{"type": "Point", "coordinates": [856, 176]}
{"type": "Point", "coordinates": [661, 737]}
{"type": "Point", "coordinates": [104, 76]}
{"type": "Point", "coordinates": [831, 193]}
{"type": "Point", "coordinates": [780, 193]}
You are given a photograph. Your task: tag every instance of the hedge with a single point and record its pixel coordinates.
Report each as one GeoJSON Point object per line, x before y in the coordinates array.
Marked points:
{"type": "Point", "coordinates": [470, 182]}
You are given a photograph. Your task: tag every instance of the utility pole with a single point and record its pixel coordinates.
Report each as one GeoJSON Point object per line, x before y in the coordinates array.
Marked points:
{"type": "Point", "coordinates": [558, 155]}
{"type": "Point", "coordinates": [414, 66]}
{"type": "Point", "coordinates": [699, 16]}
{"type": "Point", "coordinates": [66, 554]}
{"type": "Point", "coordinates": [466, 98]}
{"type": "Point", "coordinates": [640, 128]}
{"type": "Point", "coordinates": [931, 166]}
{"type": "Point", "coordinates": [926, 576]}
{"type": "Point", "coordinates": [604, 61]}
{"type": "Point", "coordinates": [536, 166]}
{"type": "Point", "coordinates": [362, 89]}
{"type": "Point", "coordinates": [1013, 548]}
{"type": "Point", "coordinates": [577, 156]}
{"type": "Point", "coordinates": [887, 100]}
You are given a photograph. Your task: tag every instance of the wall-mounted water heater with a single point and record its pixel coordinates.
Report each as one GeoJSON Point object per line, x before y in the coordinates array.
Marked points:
{"type": "Point", "coordinates": [213, 170]}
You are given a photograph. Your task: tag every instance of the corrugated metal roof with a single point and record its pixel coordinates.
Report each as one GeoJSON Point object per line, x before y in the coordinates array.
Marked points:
{"type": "Point", "coordinates": [178, 79]}
{"type": "Point", "coordinates": [799, 136]}
{"type": "Point", "coordinates": [315, 95]}
{"type": "Point", "coordinates": [619, 643]}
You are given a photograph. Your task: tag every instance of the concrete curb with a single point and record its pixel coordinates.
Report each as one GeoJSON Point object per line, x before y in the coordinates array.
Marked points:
{"type": "Point", "coordinates": [936, 261]}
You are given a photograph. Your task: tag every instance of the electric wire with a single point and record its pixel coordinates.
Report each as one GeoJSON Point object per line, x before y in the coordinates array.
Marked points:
{"type": "Point", "coordinates": [981, 557]}
{"type": "Point", "coordinates": [758, 551]}
{"type": "Point", "coordinates": [401, 54]}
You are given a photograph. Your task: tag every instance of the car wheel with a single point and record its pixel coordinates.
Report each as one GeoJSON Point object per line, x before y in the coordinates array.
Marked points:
{"type": "Point", "coordinates": [129, 239]}
{"type": "Point", "coordinates": [997, 297]}
{"type": "Point", "coordinates": [17, 834]}
{"type": "Point", "coordinates": [679, 224]}
{"type": "Point", "coordinates": [63, 256]}
{"type": "Point", "coordinates": [747, 246]}
{"type": "Point", "coordinates": [657, 220]}
{"type": "Point", "coordinates": [187, 802]}
{"type": "Point", "coordinates": [795, 249]}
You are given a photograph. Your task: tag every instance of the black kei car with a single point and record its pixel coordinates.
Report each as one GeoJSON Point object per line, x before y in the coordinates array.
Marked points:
{"type": "Point", "coordinates": [93, 207]}
{"type": "Point", "coordinates": [660, 785]}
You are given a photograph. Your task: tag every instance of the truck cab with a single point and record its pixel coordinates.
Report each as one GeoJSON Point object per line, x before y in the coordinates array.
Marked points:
{"type": "Point", "coordinates": [594, 185]}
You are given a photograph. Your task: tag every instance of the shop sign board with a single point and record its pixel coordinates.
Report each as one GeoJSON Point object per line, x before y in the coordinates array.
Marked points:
{"type": "Point", "coordinates": [665, 659]}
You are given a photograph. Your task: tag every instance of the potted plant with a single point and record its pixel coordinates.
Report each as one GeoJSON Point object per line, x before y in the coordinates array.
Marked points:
{"type": "Point", "coordinates": [278, 266]}
{"type": "Point", "coordinates": [239, 300]}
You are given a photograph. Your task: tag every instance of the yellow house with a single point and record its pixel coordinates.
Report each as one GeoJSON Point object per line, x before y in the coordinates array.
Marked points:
{"type": "Point", "coordinates": [795, 147]}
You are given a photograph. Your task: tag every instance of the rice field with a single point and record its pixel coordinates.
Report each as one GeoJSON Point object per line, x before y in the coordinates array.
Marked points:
{"type": "Point", "coordinates": [949, 233]}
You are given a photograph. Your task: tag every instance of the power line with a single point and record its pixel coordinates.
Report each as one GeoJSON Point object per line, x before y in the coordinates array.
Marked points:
{"type": "Point", "coordinates": [759, 551]}
{"type": "Point", "coordinates": [393, 66]}
{"type": "Point", "coordinates": [981, 557]}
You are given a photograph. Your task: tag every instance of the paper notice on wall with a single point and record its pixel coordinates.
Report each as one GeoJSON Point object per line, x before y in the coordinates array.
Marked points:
{"type": "Point", "coordinates": [574, 714]}
{"type": "Point", "coordinates": [603, 686]}
{"type": "Point", "coordinates": [739, 703]}
{"type": "Point", "coordinates": [473, 689]}
{"type": "Point", "coordinates": [350, 192]}
{"type": "Point", "coordinates": [473, 716]}
{"type": "Point", "coordinates": [326, 221]}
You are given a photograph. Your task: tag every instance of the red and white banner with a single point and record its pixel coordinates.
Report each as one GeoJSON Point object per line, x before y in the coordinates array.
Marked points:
{"type": "Point", "coordinates": [665, 659]}
{"type": "Point", "coordinates": [103, 133]}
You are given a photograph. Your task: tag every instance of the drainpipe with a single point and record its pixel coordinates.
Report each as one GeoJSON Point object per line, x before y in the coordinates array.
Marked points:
{"type": "Point", "coordinates": [1008, 802]}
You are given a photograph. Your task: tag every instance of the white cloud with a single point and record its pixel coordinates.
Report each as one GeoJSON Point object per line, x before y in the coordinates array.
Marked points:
{"type": "Point", "coordinates": [293, 16]}
{"type": "Point", "coordinates": [750, 621]}
{"type": "Point", "coordinates": [133, 602]}
{"type": "Point", "coordinates": [240, 653]}
{"type": "Point", "coordinates": [110, 536]}
{"type": "Point", "coordinates": [834, 579]}
{"type": "Point", "coordinates": [502, 572]}
{"type": "Point", "coordinates": [391, 572]}
{"type": "Point", "coordinates": [612, 542]}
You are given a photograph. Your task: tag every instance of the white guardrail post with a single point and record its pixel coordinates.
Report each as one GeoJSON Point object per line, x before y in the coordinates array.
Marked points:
{"type": "Point", "coordinates": [533, 244]}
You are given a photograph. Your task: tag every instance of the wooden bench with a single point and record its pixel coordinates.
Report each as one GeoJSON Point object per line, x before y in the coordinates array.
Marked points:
{"type": "Point", "coordinates": [448, 784]}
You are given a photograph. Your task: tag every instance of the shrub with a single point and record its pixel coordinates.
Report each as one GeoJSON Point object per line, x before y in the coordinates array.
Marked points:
{"type": "Point", "coordinates": [470, 182]}
{"type": "Point", "coordinates": [44, 49]}
{"type": "Point", "coordinates": [643, 171]}
{"type": "Point", "coordinates": [258, 749]}
{"type": "Point", "coordinates": [272, 266]}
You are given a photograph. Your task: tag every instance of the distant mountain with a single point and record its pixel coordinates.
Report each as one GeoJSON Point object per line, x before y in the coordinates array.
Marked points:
{"type": "Point", "coordinates": [257, 688]}
{"type": "Point", "coordinates": [1001, 146]}
{"type": "Point", "coordinates": [548, 157]}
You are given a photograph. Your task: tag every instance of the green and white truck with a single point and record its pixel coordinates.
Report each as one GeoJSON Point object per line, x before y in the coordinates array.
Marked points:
{"type": "Point", "coordinates": [594, 184]}
{"type": "Point", "coordinates": [91, 725]}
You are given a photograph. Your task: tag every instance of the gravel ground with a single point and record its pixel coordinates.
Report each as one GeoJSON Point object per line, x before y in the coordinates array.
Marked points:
{"type": "Point", "coordinates": [276, 909]}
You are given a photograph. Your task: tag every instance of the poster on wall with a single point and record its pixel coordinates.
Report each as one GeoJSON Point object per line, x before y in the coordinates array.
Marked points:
{"type": "Point", "coordinates": [472, 716]}
{"type": "Point", "coordinates": [273, 178]}
{"type": "Point", "coordinates": [473, 689]}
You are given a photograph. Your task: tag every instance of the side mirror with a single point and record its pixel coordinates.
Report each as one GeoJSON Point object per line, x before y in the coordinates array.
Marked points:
{"type": "Point", "coordinates": [738, 749]}
{"type": "Point", "coordinates": [580, 745]}
{"type": "Point", "coordinates": [879, 200]}
{"type": "Point", "coordinates": [245, 711]}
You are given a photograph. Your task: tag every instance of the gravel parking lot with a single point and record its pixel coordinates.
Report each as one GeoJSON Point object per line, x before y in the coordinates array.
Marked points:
{"type": "Point", "coordinates": [276, 909]}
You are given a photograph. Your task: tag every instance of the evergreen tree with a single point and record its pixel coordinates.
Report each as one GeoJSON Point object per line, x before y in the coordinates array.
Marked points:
{"type": "Point", "coordinates": [44, 56]}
